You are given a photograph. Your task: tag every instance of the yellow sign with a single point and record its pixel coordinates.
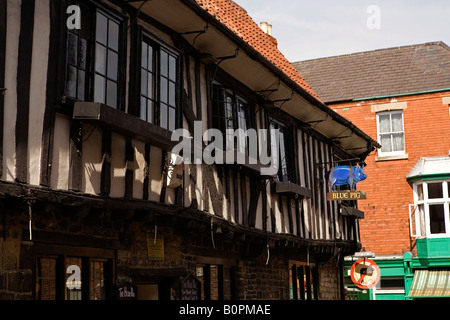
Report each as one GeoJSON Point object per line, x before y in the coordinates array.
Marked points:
{"type": "Point", "coordinates": [346, 195]}
{"type": "Point", "coordinates": [155, 247]}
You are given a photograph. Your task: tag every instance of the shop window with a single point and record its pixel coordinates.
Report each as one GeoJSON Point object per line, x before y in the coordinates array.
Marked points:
{"type": "Point", "coordinates": [72, 278]}
{"type": "Point", "coordinates": [391, 133]}
{"type": "Point", "coordinates": [93, 58]}
{"type": "Point", "coordinates": [159, 85]}
{"type": "Point", "coordinates": [430, 216]}
{"type": "Point", "coordinates": [303, 282]}
{"type": "Point", "coordinates": [217, 282]}
{"type": "Point", "coordinates": [46, 279]}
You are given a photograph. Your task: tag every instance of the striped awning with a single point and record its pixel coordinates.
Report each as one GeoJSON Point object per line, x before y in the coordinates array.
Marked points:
{"type": "Point", "coordinates": [434, 283]}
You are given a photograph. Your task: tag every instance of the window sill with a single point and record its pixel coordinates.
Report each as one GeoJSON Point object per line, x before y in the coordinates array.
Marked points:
{"type": "Point", "coordinates": [352, 212]}
{"type": "Point", "coordinates": [292, 189]}
{"type": "Point", "coordinates": [390, 158]}
{"type": "Point", "coordinates": [124, 123]}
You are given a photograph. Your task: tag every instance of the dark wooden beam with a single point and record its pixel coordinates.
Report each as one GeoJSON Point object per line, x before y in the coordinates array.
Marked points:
{"type": "Point", "coordinates": [3, 30]}
{"type": "Point", "coordinates": [129, 173]}
{"type": "Point", "coordinates": [54, 89]}
{"type": "Point", "coordinates": [76, 162]}
{"type": "Point", "coordinates": [23, 88]}
{"type": "Point", "coordinates": [105, 176]}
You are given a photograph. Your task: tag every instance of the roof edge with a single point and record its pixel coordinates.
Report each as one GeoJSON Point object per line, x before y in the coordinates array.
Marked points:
{"type": "Point", "coordinates": [438, 43]}
{"type": "Point", "coordinates": [279, 73]}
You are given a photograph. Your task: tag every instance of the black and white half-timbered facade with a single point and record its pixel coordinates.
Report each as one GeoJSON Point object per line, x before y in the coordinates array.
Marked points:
{"type": "Point", "coordinates": [92, 205]}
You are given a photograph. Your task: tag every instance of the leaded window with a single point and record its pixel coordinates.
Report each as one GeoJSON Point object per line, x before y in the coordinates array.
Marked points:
{"type": "Point", "coordinates": [94, 58]}
{"type": "Point", "coordinates": [159, 85]}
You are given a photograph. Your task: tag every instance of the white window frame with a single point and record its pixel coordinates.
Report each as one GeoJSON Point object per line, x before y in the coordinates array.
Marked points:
{"type": "Point", "coordinates": [391, 153]}
{"type": "Point", "coordinates": [425, 202]}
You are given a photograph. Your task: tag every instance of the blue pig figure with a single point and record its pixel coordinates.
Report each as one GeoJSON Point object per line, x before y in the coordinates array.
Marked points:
{"type": "Point", "coordinates": [340, 176]}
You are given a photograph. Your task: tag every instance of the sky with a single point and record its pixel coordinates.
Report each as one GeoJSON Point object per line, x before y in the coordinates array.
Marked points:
{"type": "Point", "coordinates": [310, 29]}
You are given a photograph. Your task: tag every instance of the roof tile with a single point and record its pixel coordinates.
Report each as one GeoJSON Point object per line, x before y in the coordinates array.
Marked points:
{"type": "Point", "coordinates": [391, 71]}
{"type": "Point", "coordinates": [237, 20]}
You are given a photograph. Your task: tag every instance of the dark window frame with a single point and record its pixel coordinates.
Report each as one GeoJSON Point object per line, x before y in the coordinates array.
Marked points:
{"type": "Point", "coordinates": [221, 120]}
{"type": "Point", "coordinates": [61, 254]}
{"type": "Point", "coordinates": [307, 275]}
{"type": "Point", "coordinates": [223, 287]}
{"type": "Point", "coordinates": [142, 36]}
{"type": "Point", "coordinates": [92, 9]}
{"type": "Point", "coordinates": [288, 138]}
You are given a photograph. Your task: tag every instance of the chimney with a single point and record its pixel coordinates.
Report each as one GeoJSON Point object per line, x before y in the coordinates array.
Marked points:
{"type": "Point", "coordinates": [263, 26]}
{"type": "Point", "coordinates": [267, 28]}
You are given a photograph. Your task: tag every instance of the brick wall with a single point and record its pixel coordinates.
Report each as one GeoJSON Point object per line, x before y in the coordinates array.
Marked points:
{"type": "Point", "coordinates": [255, 279]}
{"type": "Point", "coordinates": [16, 278]}
{"type": "Point", "coordinates": [329, 281]}
{"type": "Point", "coordinates": [385, 229]}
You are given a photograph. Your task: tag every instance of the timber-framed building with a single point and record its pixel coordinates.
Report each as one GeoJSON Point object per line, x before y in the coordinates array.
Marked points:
{"type": "Point", "coordinates": [92, 93]}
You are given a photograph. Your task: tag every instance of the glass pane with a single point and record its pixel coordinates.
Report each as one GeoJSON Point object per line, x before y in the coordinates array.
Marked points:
{"type": "Point", "coordinates": [164, 84]}
{"type": "Point", "coordinates": [73, 278]}
{"type": "Point", "coordinates": [398, 142]}
{"type": "Point", "coordinates": [144, 55]}
{"type": "Point", "coordinates": [97, 279]}
{"type": "Point", "coordinates": [150, 58]}
{"type": "Point", "coordinates": [81, 85]}
{"type": "Point", "coordinates": [164, 66]}
{"type": "Point", "coordinates": [113, 63]}
{"type": "Point", "coordinates": [172, 119]}
{"type": "Point", "coordinates": [422, 229]}
{"type": "Point", "coordinates": [437, 218]}
{"type": "Point", "coordinates": [150, 84]}
{"type": "Point", "coordinates": [102, 29]}
{"type": "Point", "coordinates": [150, 111]}
{"type": "Point", "coordinates": [72, 48]}
{"type": "Point", "coordinates": [111, 99]}
{"type": "Point", "coordinates": [448, 189]}
{"type": "Point", "coordinates": [172, 68]}
{"type": "Point", "coordinates": [99, 89]}
{"type": "Point", "coordinates": [242, 118]}
{"type": "Point", "coordinates": [71, 83]}
{"type": "Point", "coordinates": [144, 85]}
{"type": "Point", "coordinates": [82, 54]}
{"type": "Point", "coordinates": [113, 35]}
{"type": "Point", "coordinates": [283, 164]}
{"type": "Point", "coordinates": [397, 122]}
{"type": "Point", "coordinates": [384, 123]}
{"type": "Point", "coordinates": [385, 141]}
{"type": "Point", "coordinates": [435, 190]}
{"type": "Point", "coordinates": [214, 284]}
{"type": "Point", "coordinates": [163, 116]}
{"type": "Point", "coordinates": [420, 192]}
{"type": "Point", "coordinates": [172, 93]}
{"type": "Point", "coordinates": [100, 59]}
{"type": "Point", "coordinates": [273, 145]}
{"type": "Point", "coordinates": [46, 279]}
{"type": "Point", "coordinates": [143, 113]}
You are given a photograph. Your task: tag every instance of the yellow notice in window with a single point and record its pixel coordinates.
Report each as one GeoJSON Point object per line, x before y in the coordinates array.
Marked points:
{"type": "Point", "coordinates": [155, 247]}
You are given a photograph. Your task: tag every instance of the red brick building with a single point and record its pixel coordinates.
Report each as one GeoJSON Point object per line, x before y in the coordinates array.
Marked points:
{"type": "Point", "coordinates": [400, 96]}
{"type": "Point", "coordinates": [411, 83]}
